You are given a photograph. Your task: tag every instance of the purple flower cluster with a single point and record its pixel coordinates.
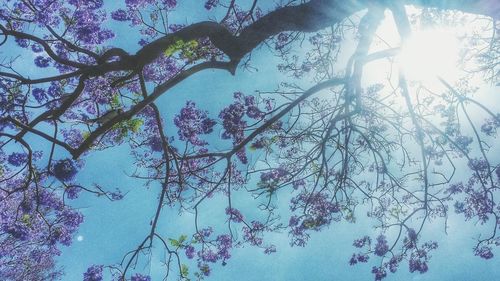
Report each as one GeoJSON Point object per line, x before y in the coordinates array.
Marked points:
{"type": "Point", "coordinates": [393, 263]}
{"type": "Point", "coordinates": [318, 211]}
{"type": "Point", "coordinates": [463, 142]}
{"type": "Point", "coordinates": [73, 191]}
{"type": "Point", "coordinates": [253, 234]}
{"type": "Point", "coordinates": [358, 258]}
{"type": "Point", "coordinates": [360, 243]}
{"type": "Point", "coordinates": [491, 126]}
{"type": "Point", "coordinates": [193, 122]}
{"type": "Point", "coordinates": [135, 4]}
{"type": "Point", "coordinates": [155, 144]}
{"type": "Point", "coordinates": [270, 249]}
{"type": "Point", "coordinates": [210, 4]}
{"type": "Point", "coordinates": [281, 40]}
{"type": "Point", "coordinates": [17, 230]}
{"type": "Point", "coordinates": [212, 250]}
{"type": "Point", "coordinates": [233, 122]}
{"type": "Point", "coordinates": [73, 137]}
{"type": "Point", "coordinates": [33, 224]}
{"type": "Point", "coordinates": [65, 170]}
{"type": "Point", "coordinates": [479, 165]}
{"type": "Point", "coordinates": [17, 159]}
{"type": "Point", "coordinates": [411, 240]}
{"type": "Point", "coordinates": [40, 95]}
{"type": "Point", "coordinates": [88, 27]}
{"type": "Point", "coordinates": [418, 257]}
{"type": "Point", "coordinates": [418, 263]}
{"type": "Point", "coordinates": [93, 273]}
{"type": "Point", "coordinates": [120, 15]}
{"type": "Point", "coordinates": [479, 204]}
{"type": "Point", "coordinates": [42, 62]}
{"type": "Point", "coordinates": [189, 251]}
{"type": "Point", "coordinates": [87, 4]}
{"type": "Point", "coordinates": [269, 180]}
{"type": "Point", "coordinates": [379, 273]}
{"type": "Point", "coordinates": [234, 214]}
{"type": "Point", "coordinates": [381, 247]}
{"type": "Point", "coordinates": [140, 277]}
{"type": "Point", "coordinates": [160, 69]}
{"type": "Point", "coordinates": [484, 252]}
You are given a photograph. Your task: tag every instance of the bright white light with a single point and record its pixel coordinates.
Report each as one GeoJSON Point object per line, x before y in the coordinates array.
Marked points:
{"type": "Point", "coordinates": [79, 238]}
{"type": "Point", "coordinates": [430, 53]}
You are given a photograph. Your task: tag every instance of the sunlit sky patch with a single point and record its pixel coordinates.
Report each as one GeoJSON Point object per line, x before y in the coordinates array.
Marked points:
{"type": "Point", "coordinates": [430, 53]}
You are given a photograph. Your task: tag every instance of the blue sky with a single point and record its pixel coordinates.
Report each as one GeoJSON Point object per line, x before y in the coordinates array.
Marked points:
{"type": "Point", "coordinates": [113, 228]}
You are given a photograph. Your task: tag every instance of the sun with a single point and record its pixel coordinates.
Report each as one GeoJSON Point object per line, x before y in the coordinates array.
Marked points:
{"type": "Point", "coordinates": [429, 54]}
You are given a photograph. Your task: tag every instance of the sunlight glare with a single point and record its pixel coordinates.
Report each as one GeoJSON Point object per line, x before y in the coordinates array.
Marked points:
{"type": "Point", "coordinates": [430, 53]}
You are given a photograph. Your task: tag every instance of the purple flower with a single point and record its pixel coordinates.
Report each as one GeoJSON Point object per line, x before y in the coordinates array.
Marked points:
{"type": "Point", "coordinates": [17, 230]}
{"type": "Point", "coordinates": [170, 3]}
{"type": "Point", "coordinates": [463, 142]}
{"type": "Point", "coordinates": [155, 144]}
{"type": "Point", "coordinates": [117, 195]}
{"type": "Point", "coordinates": [40, 95]}
{"type": "Point", "coordinates": [210, 4]}
{"type": "Point", "coordinates": [362, 258]}
{"type": "Point", "coordinates": [120, 15]}
{"type": "Point", "coordinates": [42, 62]}
{"type": "Point", "coordinates": [65, 170]}
{"type": "Point", "coordinates": [379, 272]}
{"type": "Point", "coordinates": [73, 137]}
{"type": "Point", "coordinates": [17, 159]}
{"type": "Point", "coordinates": [140, 277]}
{"type": "Point", "coordinates": [360, 243]}
{"type": "Point", "coordinates": [193, 122]}
{"type": "Point", "coordinates": [381, 247]}
{"type": "Point", "coordinates": [189, 252]}
{"type": "Point", "coordinates": [206, 232]}
{"type": "Point", "coordinates": [23, 43]}
{"type": "Point", "coordinates": [484, 252]}
{"type": "Point", "coordinates": [418, 265]}
{"type": "Point", "coordinates": [208, 255]}
{"type": "Point", "coordinates": [234, 214]}
{"type": "Point", "coordinates": [269, 250]}
{"type": "Point", "coordinates": [71, 219]}
{"type": "Point", "coordinates": [478, 165]}
{"type": "Point", "coordinates": [36, 48]}
{"type": "Point", "coordinates": [93, 273]}
{"type": "Point", "coordinates": [394, 263]}
{"type": "Point", "coordinates": [90, 4]}
{"type": "Point", "coordinates": [412, 235]}
{"type": "Point", "coordinates": [353, 260]}
{"type": "Point", "coordinates": [73, 191]}
{"type": "Point", "coordinates": [224, 244]}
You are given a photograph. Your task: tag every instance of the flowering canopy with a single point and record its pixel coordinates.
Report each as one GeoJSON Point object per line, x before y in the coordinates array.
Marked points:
{"type": "Point", "coordinates": [326, 139]}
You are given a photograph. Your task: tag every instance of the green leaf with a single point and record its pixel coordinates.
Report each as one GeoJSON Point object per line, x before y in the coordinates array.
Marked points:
{"type": "Point", "coordinates": [26, 219]}
{"type": "Point", "coordinates": [85, 135]}
{"type": "Point", "coordinates": [184, 270]}
{"type": "Point", "coordinates": [115, 101]}
{"type": "Point", "coordinates": [182, 238]}
{"type": "Point", "coordinates": [174, 242]}
{"type": "Point", "coordinates": [135, 124]}
{"type": "Point", "coordinates": [187, 48]}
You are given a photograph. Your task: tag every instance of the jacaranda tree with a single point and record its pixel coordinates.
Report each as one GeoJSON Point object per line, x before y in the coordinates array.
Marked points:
{"type": "Point", "coordinates": [337, 147]}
